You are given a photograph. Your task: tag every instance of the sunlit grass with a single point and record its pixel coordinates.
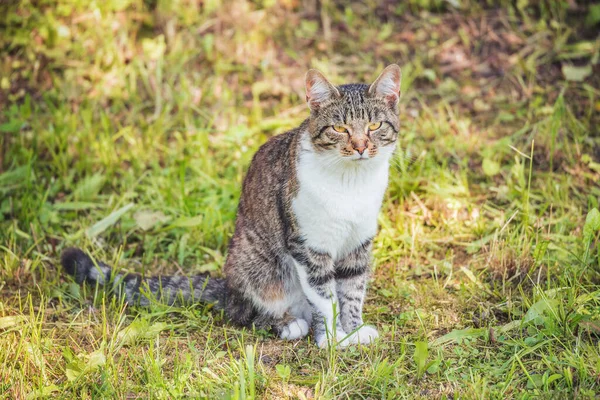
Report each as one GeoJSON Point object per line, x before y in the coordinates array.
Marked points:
{"type": "Point", "coordinates": [126, 129]}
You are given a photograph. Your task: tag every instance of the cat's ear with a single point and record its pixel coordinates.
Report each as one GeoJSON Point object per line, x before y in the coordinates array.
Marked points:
{"type": "Point", "coordinates": [318, 89]}
{"type": "Point", "coordinates": [387, 85]}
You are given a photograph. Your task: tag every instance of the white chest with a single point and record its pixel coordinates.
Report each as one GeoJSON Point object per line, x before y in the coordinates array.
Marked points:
{"type": "Point", "coordinates": [336, 209]}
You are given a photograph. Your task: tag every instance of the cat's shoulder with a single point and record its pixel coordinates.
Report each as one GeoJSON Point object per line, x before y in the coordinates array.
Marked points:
{"type": "Point", "coordinates": [279, 145]}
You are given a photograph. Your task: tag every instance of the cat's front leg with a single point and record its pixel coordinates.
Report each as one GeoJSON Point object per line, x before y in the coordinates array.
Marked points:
{"type": "Point", "coordinates": [316, 274]}
{"type": "Point", "coordinates": [351, 275]}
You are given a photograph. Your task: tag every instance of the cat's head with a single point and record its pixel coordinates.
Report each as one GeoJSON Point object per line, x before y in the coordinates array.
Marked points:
{"type": "Point", "coordinates": [356, 122]}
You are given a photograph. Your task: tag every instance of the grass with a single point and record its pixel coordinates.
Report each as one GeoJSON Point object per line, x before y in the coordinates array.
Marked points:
{"type": "Point", "coordinates": [126, 128]}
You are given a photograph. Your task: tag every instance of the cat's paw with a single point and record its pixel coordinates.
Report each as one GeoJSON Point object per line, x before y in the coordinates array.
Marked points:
{"type": "Point", "coordinates": [341, 339]}
{"type": "Point", "coordinates": [365, 335]}
{"type": "Point", "coordinates": [296, 329]}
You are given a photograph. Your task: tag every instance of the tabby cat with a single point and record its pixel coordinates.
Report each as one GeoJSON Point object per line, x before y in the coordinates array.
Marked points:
{"type": "Point", "coordinates": [300, 254]}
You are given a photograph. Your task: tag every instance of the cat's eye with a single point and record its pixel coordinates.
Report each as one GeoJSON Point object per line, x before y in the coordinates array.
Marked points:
{"type": "Point", "coordinates": [339, 129]}
{"type": "Point", "coordinates": [374, 126]}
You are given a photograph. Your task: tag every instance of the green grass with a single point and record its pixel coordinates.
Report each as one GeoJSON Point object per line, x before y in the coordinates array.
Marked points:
{"type": "Point", "coordinates": [126, 128]}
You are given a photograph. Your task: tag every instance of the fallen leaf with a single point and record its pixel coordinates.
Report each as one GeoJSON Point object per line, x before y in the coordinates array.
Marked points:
{"type": "Point", "coordinates": [576, 74]}
{"type": "Point", "coordinates": [11, 321]}
{"type": "Point", "coordinates": [147, 219]}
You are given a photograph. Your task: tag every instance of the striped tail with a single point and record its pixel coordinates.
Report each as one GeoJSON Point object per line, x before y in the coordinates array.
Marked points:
{"type": "Point", "coordinates": [140, 290]}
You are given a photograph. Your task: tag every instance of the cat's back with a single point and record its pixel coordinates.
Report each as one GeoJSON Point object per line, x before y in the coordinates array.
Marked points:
{"type": "Point", "coordinates": [268, 185]}
{"type": "Point", "coordinates": [272, 166]}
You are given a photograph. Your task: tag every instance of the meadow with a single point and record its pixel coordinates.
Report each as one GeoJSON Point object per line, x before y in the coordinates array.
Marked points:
{"type": "Point", "coordinates": [126, 127]}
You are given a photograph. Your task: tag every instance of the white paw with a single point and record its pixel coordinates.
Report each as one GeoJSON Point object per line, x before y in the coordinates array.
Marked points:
{"type": "Point", "coordinates": [341, 338]}
{"type": "Point", "coordinates": [296, 329]}
{"type": "Point", "coordinates": [364, 335]}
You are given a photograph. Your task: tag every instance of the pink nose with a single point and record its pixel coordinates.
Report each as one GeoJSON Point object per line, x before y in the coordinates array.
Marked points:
{"type": "Point", "coordinates": [360, 149]}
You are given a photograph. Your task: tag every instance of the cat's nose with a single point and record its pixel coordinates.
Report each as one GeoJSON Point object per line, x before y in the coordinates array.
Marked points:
{"type": "Point", "coordinates": [359, 144]}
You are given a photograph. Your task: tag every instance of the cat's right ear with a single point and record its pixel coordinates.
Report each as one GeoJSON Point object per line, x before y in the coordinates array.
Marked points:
{"type": "Point", "coordinates": [319, 90]}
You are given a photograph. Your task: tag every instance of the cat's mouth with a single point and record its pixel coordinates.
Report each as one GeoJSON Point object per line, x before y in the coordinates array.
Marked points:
{"type": "Point", "coordinates": [361, 159]}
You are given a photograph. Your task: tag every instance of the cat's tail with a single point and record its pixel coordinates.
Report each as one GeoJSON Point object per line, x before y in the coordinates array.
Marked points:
{"type": "Point", "coordinates": [142, 290]}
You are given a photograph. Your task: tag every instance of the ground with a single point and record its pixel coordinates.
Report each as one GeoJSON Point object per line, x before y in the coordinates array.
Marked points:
{"type": "Point", "coordinates": [126, 128]}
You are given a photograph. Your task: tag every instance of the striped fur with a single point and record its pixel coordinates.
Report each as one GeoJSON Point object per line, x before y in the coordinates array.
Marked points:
{"type": "Point", "coordinates": [300, 253]}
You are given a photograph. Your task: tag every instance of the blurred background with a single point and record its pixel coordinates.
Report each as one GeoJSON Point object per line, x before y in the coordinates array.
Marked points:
{"type": "Point", "coordinates": [126, 127]}
{"type": "Point", "coordinates": [174, 96]}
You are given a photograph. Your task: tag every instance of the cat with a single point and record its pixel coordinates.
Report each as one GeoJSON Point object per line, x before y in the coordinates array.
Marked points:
{"type": "Point", "coordinates": [301, 251]}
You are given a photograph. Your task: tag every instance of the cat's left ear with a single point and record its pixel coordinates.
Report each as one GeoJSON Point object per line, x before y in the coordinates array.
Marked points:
{"type": "Point", "coordinates": [387, 85]}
